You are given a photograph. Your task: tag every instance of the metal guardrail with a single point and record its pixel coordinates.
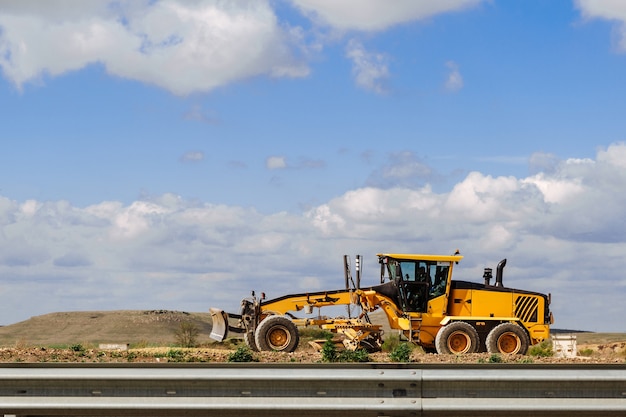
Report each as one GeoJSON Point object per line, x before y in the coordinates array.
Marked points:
{"type": "Point", "coordinates": [311, 390]}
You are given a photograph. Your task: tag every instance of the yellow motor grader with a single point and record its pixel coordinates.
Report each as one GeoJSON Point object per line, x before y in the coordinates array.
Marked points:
{"type": "Point", "coordinates": [419, 298]}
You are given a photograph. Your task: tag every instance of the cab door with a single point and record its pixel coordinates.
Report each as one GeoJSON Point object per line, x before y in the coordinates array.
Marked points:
{"type": "Point", "coordinates": [416, 296]}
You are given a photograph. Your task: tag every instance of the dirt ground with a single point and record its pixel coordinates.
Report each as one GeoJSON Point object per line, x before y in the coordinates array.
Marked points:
{"type": "Point", "coordinates": [613, 352]}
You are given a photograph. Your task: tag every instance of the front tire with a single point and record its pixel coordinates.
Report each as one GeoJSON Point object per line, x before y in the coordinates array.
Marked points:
{"type": "Point", "coordinates": [508, 339]}
{"type": "Point", "coordinates": [457, 338]}
{"type": "Point", "coordinates": [277, 333]}
{"type": "Point", "coordinates": [248, 337]}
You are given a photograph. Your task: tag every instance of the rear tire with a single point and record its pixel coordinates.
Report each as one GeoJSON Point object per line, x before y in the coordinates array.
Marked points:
{"type": "Point", "coordinates": [508, 339]}
{"type": "Point", "coordinates": [277, 333]}
{"type": "Point", "coordinates": [457, 338]}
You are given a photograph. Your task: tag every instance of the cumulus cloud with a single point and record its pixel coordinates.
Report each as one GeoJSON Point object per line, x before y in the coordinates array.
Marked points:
{"type": "Point", "coordinates": [187, 47]}
{"type": "Point", "coordinates": [276, 162]}
{"type": "Point", "coordinates": [370, 70]}
{"type": "Point", "coordinates": [560, 230]}
{"type": "Point", "coordinates": [375, 15]}
{"type": "Point", "coordinates": [183, 47]}
{"type": "Point", "coordinates": [454, 80]}
{"type": "Point", "coordinates": [610, 10]}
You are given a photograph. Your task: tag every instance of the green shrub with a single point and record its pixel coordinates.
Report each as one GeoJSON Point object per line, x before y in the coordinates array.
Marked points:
{"type": "Point", "coordinates": [242, 354]}
{"type": "Point", "coordinates": [401, 353]}
{"type": "Point", "coordinates": [585, 352]}
{"type": "Point", "coordinates": [329, 351]}
{"type": "Point", "coordinates": [543, 349]}
{"type": "Point", "coordinates": [359, 355]}
{"type": "Point", "coordinates": [77, 347]}
{"type": "Point", "coordinates": [330, 354]}
{"type": "Point", "coordinates": [495, 358]}
{"type": "Point", "coordinates": [175, 355]}
{"type": "Point", "coordinates": [391, 343]}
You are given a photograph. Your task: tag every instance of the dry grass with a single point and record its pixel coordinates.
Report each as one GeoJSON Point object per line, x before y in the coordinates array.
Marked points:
{"type": "Point", "coordinates": [599, 338]}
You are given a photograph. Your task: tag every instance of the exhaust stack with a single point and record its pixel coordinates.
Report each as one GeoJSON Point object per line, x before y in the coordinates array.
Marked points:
{"type": "Point", "coordinates": [499, 269]}
{"type": "Point", "coordinates": [487, 276]}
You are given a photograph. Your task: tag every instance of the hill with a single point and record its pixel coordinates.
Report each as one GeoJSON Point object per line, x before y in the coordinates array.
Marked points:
{"type": "Point", "coordinates": [94, 327]}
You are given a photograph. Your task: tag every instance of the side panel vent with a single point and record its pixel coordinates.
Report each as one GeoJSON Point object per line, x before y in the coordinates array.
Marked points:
{"type": "Point", "coordinates": [526, 308]}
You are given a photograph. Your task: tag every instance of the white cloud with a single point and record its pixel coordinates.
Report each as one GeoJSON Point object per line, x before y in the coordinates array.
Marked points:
{"type": "Point", "coordinates": [137, 219]}
{"type": "Point", "coordinates": [370, 70]}
{"type": "Point", "coordinates": [614, 155]}
{"type": "Point", "coordinates": [280, 162]}
{"type": "Point", "coordinates": [556, 190]}
{"type": "Point", "coordinates": [192, 156]}
{"type": "Point", "coordinates": [560, 230]}
{"type": "Point", "coordinates": [610, 10]}
{"type": "Point", "coordinates": [375, 15]}
{"type": "Point", "coordinates": [275, 162]}
{"type": "Point", "coordinates": [606, 9]}
{"type": "Point", "coordinates": [454, 81]}
{"type": "Point", "coordinates": [198, 46]}
{"type": "Point", "coordinates": [180, 46]}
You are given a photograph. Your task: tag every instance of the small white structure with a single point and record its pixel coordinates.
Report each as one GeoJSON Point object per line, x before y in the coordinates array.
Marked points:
{"type": "Point", "coordinates": [564, 345]}
{"type": "Point", "coordinates": [114, 346]}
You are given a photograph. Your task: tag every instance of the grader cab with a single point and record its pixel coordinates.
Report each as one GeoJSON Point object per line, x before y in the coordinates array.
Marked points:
{"type": "Point", "coordinates": [417, 295]}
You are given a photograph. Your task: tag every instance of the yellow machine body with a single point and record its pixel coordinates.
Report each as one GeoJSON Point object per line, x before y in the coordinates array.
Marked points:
{"type": "Point", "coordinates": [418, 297]}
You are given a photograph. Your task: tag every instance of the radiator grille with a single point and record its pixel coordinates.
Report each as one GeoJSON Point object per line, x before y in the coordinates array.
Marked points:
{"type": "Point", "coordinates": [526, 308]}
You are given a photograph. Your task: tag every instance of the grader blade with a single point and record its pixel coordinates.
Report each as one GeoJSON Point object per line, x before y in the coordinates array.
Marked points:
{"type": "Point", "coordinates": [219, 331]}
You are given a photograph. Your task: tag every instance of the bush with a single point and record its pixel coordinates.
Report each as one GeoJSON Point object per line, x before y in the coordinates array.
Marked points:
{"type": "Point", "coordinates": [391, 343]}
{"type": "Point", "coordinates": [330, 354]}
{"type": "Point", "coordinates": [329, 351]}
{"type": "Point", "coordinates": [585, 352]}
{"type": "Point", "coordinates": [495, 358]}
{"type": "Point", "coordinates": [401, 353]}
{"type": "Point", "coordinates": [242, 354]}
{"type": "Point", "coordinates": [359, 355]}
{"type": "Point", "coordinates": [175, 355]}
{"type": "Point", "coordinates": [543, 349]}
{"type": "Point", "coordinates": [77, 347]}
{"type": "Point", "coordinates": [187, 334]}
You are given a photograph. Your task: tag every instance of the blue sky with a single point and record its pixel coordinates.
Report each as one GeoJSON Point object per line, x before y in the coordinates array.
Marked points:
{"type": "Point", "coordinates": [170, 154]}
